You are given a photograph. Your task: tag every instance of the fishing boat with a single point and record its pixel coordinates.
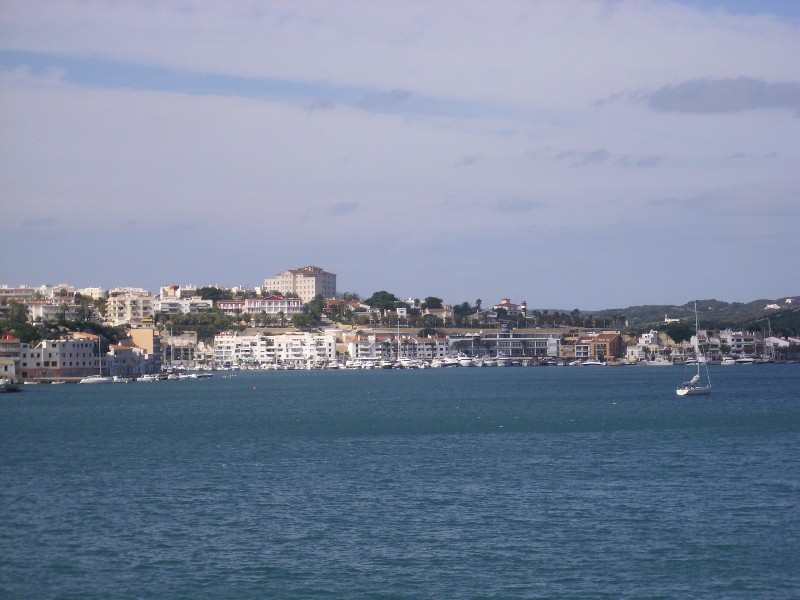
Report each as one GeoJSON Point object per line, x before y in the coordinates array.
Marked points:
{"type": "Point", "coordinates": [694, 386]}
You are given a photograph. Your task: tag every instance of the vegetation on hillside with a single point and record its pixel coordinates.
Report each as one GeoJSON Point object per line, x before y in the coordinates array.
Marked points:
{"type": "Point", "coordinates": [17, 325]}
{"type": "Point", "coordinates": [713, 315]}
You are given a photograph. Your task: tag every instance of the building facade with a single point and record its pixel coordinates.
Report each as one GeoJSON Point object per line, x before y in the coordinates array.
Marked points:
{"type": "Point", "coordinates": [129, 306]}
{"type": "Point", "coordinates": [306, 282]}
{"type": "Point", "coordinates": [57, 359]}
{"type": "Point", "coordinates": [234, 349]}
{"type": "Point", "coordinates": [274, 305]}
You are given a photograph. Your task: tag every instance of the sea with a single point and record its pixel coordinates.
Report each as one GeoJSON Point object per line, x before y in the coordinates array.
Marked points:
{"type": "Point", "coordinates": [519, 482]}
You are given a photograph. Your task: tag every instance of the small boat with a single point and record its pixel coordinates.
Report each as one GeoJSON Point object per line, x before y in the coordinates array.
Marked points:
{"type": "Point", "coordinates": [694, 386]}
{"type": "Point", "coordinates": [593, 362]}
{"type": "Point", "coordinates": [7, 385]}
{"type": "Point", "coordinates": [728, 361]}
{"type": "Point", "coordinates": [97, 379]}
{"type": "Point", "coordinates": [464, 360]}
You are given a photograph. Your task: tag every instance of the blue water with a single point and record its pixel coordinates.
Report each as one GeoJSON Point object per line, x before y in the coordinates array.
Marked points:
{"type": "Point", "coordinates": [540, 482]}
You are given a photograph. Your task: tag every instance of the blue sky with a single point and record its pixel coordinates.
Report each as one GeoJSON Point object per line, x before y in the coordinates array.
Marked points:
{"type": "Point", "coordinates": [571, 154]}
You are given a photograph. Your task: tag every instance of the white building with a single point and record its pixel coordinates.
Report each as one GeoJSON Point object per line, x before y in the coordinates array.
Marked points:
{"type": "Point", "coordinates": [306, 282]}
{"type": "Point", "coordinates": [274, 305]}
{"type": "Point", "coordinates": [176, 305]}
{"type": "Point", "coordinates": [129, 306]}
{"type": "Point", "coordinates": [377, 347]}
{"type": "Point", "coordinates": [46, 310]}
{"type": "Point", "coordinates": [512, 310]}
{"type": "Point", "coordinates": [95, 293]}
{"type": "Point", "coordinates": [60, 358]}
{"type": "Point", "coordinates": [261, 349]}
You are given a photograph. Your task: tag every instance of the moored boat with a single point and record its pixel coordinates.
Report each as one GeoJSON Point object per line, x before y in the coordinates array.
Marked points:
{"type": "Point", "coordinates": [694, 387]}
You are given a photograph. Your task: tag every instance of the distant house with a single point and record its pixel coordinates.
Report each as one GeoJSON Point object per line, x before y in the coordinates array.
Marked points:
{"type": "Point", "coordinates": [512, 310]}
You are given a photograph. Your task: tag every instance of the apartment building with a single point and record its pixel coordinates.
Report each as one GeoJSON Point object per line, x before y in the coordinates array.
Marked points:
{"type": "Point", "coordinates": [306, 282]}
{"type": "Point", "coordinates": [45, 310]}
{"type": "Point", "coordinates": [149, 340]}
{"type": "Point", "coordinates": [376, 347]}
{"type": "Point", "coordinates": [274, 305]}
{"type": "Point", "coordinates": [55, 359]}
{"type": "Point", "coordinates": [741, 343]}
{"type": "Point", "coordinates": [129, 306]}
{"type": "Point", "coordinates": [234, 348]}
{"type": "Point", "coordinates": [178, 305]}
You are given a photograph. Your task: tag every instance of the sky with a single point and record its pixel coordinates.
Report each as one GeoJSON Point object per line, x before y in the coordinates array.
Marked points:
{"type": "Point", "coordinates": [582, 154]}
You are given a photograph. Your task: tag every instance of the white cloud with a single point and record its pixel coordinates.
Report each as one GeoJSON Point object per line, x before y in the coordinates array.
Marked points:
{"type": "Point", "coordinates": [452, 134]}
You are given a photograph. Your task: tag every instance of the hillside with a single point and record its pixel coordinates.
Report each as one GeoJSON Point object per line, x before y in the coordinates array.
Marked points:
{"type": "Point", "coordinates": [715, 314]}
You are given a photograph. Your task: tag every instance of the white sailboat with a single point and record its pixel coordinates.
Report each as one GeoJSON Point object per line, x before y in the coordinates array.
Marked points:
{"type": "Point", "coordinates": [694, 386]}
{"type": "Point", "coordinates": [100, 378]}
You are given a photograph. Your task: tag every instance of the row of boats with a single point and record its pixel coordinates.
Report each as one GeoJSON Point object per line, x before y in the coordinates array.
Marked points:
{"type": "Point", "coordinates": [147, 378]}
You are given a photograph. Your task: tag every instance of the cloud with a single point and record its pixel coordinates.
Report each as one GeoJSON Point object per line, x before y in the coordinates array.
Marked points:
{"type": "Point", "coordinates": [751, 204]}
{"type": "Point", "coordinates": [391, 100]}
{"type": "Point", "coordinates": [708, 96]}
{"type": "Point", "coordinates": [345, 209]}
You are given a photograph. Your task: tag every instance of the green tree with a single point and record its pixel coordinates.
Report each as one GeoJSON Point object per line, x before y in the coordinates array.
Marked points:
{"type": "Point", "coordinates": [679, 332]}
{"type": "Point", "coordinates": [316, 306]}
{"type": "Point", "coordinates": [432, 302]}
{"type": "Point", "coordinates": [303, 320]}
{"type": "Point", "coordinates": [382, 300]}
{"type": "Point", "coordinates": [214, 293]}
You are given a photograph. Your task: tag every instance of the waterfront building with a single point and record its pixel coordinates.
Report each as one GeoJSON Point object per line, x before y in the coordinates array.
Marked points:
{"type": "Point", "coordinates": [606, 346]}
{"type": "Point", "coordinates": [57, 359]}
{"type": "Point", "coordinates": [8, 368]}
{"type": "Point", "coordinates": [367, 346]}
{"type": "Point", "coordinates": [360, 346]}
{"type": "Point", "coordinates": [150, 341]}
{"type": "Point", "coordinates": [180, 349]}
{"type": "Point", "coordinates": [306, 282]}
{"type": "Point", "coordinates": [741, 343]}
{"type": "Point", "coordinates": [304, 348]}
{"type": "Point", "coordinates": [127, 361]}
{"type": "Point", "coordinates": [512, 343]}
{"type": "Point", "coordinates": [258, 348]}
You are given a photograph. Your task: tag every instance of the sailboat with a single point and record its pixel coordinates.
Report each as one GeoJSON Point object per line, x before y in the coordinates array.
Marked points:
{"type": "Point", "coordinates": [100, 378]}
{"type": "Point", "coordinates": [694, 386]}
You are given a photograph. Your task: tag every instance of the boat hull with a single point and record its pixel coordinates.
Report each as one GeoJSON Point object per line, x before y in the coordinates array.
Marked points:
{"type": "Point", "coordinates": [693, 391]}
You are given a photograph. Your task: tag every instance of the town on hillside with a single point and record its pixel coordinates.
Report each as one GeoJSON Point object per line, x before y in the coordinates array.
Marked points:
{"type": "Point", "coordinates": [298, 320]}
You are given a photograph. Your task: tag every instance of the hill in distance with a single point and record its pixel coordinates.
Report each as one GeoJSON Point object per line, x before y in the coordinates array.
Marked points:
{"type": "Point", "coordinates": [712, 314]}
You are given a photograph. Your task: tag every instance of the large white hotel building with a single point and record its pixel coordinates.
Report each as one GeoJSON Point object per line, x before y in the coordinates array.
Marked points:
{"type": "Point", "coordinates": [306, 283]}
